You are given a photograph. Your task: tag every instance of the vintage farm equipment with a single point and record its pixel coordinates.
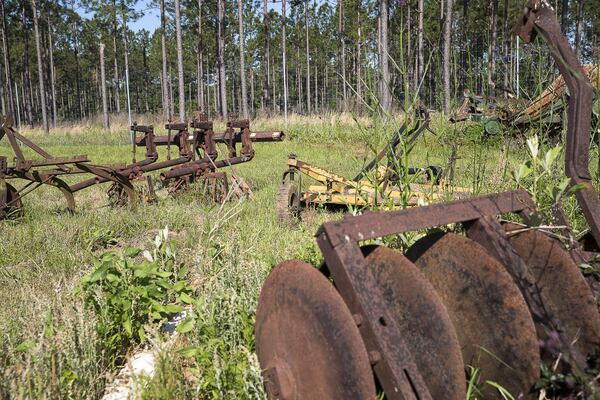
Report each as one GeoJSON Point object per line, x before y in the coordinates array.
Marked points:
{"type": "Point", "coordinates": [549, 108]}
{"type": "Point", "coordinates": [375, 185]}
{"type": "Point", "coordinates": [196, 159]}
{"type": "Point", "coordinates": [502, 298]}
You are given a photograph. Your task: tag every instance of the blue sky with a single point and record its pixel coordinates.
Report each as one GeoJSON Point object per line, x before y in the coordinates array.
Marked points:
{"type": "Point", "coordinates": [151, 19]}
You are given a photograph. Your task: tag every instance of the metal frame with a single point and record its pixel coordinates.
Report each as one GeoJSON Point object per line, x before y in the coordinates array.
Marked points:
{"type": "Point", "coordinates": [338, 190]}
{"type": "Point", "coordinates": [197, 156]}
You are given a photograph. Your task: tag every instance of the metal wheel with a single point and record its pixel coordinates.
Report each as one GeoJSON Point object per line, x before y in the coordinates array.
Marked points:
{"type": "Point", "coordinates": [10, 201]}
{"type": "Point", "coordinates": [489, 314]}
{"type": "Point", "coordinates": [288, 203]}
{"type": "Point", "coordinates": [307, 342]}
{"type": "Point", "coordinates": [424, 322]}
{"type": "Point", "coordinates": [563, 287]}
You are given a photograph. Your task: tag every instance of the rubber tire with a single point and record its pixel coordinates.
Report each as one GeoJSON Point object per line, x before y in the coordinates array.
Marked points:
{"type": "Point", "coordinates": [288, 203]}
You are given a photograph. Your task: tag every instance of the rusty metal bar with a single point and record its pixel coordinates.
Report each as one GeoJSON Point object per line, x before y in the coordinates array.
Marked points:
{"type": "Point", "coordinates": [412, 135]}
{"type": "Point", "coordinates": [267, 136]}
{"type": "Point", "coordinates": [540, 18]}
{"type": "Point", "coordinates": [372, 225]}
{"type": "Point", "coordinates": [197, 166]}
{"type": "Point", "coordinates": [388, 352]}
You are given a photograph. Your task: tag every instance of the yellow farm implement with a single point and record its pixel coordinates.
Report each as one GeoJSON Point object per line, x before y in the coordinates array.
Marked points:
{"type": "Point", "coordinates": [376, 185]}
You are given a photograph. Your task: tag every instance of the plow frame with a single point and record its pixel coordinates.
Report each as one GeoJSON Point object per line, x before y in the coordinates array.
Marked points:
{"type": "Point", "coordinates": [197, 156]}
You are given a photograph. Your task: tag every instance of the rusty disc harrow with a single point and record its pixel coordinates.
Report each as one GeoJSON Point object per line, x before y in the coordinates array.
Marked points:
{"type": "Point", "coordinates": [562, 287]}
{"type": "Point", "coordinates": [423, 320]}
{"type": "Point", "coordinates": [306, 339]}
{"type": "Point", "coordinates": [491, 318]}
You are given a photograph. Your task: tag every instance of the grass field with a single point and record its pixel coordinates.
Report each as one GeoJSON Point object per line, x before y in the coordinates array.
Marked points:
{"type": "Point", "coordinates": [51, 345]}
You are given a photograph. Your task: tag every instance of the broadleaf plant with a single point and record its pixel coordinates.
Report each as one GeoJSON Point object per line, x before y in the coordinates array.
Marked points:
{"type": "Point", "coordinates": [127, 294]}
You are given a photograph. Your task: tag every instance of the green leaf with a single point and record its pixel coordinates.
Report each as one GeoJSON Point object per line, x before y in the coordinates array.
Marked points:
{"type": "Point", "coordinates": [99, 274]}
{"type": "Point", "coordinates": [503, 392]}
{"type": "Point", "coordinates": [551, 157]}
{"type": "Point", "coordinates": [155, 316]}
{"type": "Point", "coordinates": [68, 376]}
{"type": "Point", "coordinates": [25, 346]}
{"type": "Point", "coordinates": [179, 286]}
{"type": "Point", "coordinates": [159, 307]}
{"type": "Point", "coordinates": [533, 144]}
{"type": "Point", "coordinates": [185, 326]}
{"type": "Point", "coordinates": [190, 351]}
{"type": "Point", "coordinates": [164, 283]}
{"type": "Point", "coordinates": [127, 326]}
{"type": "Point", "coordinates": [142, 334]}
{"type": "Point", "coordinates": [143, 271]}
{"type": "Point", "coordinates": [521, 173]}
{"type": "Point", "coordinates": [132, 252]}
{"type": "Point", "coordinates": [173, 308]}
{"type": "Point", "coordinates": [186, 298]}
{"type": "Point", "coordinates": [577, 187]}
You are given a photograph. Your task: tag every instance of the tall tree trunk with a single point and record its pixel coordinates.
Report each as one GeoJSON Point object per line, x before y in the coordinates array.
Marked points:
{"type": "Point", "coordinates": [242, 61]}
{"type": "Point", "coordinates": [52, 74]}
{"type": "Point", "coordinates": [579, 28]}
{"type": "Point", "coordinates": [200, 60]}
{"type": "Point", "coordinates": [420, 50]}
{"type": "Point", "coordinates": [2, 97]}
{"type": "Point", "coordinates": [146, 74]}
{"type": "Point", "coordinates": [217, 106]}
{"type": "Point", "coordinates": [27, 99]}
{"type": "Point", "coordinates": [358, 57]}
{"type": "Point", "coordinates": [284, 58]}
{"type": "Point", "coordinates": [267, 56]}
{"type": "Point", "coordinates": [7, 66]}
{"type": "Point", "coordinates": [564, 16]}
{"type": "Point", "coordinates": [252, 89]}
{"type": "Point", "coordinates": [166, 103]}
{"type": "Point", "coordinates": [384, 82]}
{"type": "Point", "coordinates": [180, 62]}
{"type": "Point", "coordinates": [126, 51]}
{"type": "Point", "coordinates": [221, 57]}
{"type": "Point", "coordinates": [171, 94]}
{"type": "Point", "coordinates": [308, 110]}
{"type": "Point", "coordinates": [447, 59]}
{"type": "Point", "coordinates": [38, 50]}
{"type": "Point", "coordinates": [116, 63]}
{"type": "Point", "coordinates": [505, 53]}
{"type": "Point", "coordinates": [492, 47]}
{"type": "Point", "coordinates": [105, 120]}
{"type": "Point", "coordinates": [464, 46]}
{"type": "Point", "coordinates": [342, 52]}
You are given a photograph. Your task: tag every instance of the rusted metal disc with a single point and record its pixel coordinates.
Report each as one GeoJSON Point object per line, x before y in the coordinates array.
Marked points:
{"type": "Point", "coordinates": [11, 204]}
{"type": "Point", "coordinates": [562, 286]}
{"type": "Point", "coordinates": [307, 342]}
{"type": "Point", "coordinates": [423, 320]}
{"type": "Point", "coordinates": [491, 319]}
